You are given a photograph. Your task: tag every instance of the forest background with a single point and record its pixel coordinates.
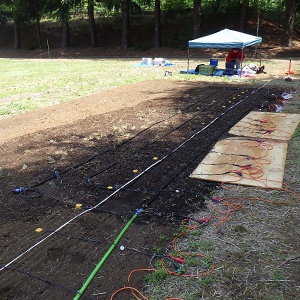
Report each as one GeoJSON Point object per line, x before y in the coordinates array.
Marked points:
{"type": "Point", "coordinates": [141, 24]}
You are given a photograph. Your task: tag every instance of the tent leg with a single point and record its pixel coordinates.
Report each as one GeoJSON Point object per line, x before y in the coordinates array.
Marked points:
{"type": "Point", "coordinates": [241, 66]}
{"type": "Point", "coordinates": [260, 55]}
{"type": "Point", "coordinates": [188, 66]}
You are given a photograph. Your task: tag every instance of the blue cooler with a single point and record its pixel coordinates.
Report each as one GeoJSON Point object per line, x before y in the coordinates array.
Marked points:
{"type": "Point", "coordinates": [213, 62]}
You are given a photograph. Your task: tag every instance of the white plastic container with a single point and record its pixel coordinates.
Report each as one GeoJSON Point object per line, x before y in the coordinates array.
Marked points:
{"type": "Point", "coordinates": [146, 61]}
{"type": "Point", "coordinates": [159, 61]}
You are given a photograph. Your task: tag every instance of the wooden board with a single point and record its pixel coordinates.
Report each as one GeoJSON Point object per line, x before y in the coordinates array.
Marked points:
{"type": "Point", "coordinates": [278, 126]}
{"type": "Point", "coordinates": [231, 156]}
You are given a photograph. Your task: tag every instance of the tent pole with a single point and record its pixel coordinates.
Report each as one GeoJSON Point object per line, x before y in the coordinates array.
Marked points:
{"type": "Point", "coordinates": [241, 74]}
{"type": "Point", "coordinates": [188, 66]}
{"type": "Point", "coordinates": [260, 55]}
{"type": "Point", "coordinates": [257, 26]}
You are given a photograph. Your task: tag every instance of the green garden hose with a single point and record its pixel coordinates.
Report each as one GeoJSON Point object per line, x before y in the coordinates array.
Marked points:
{"type": "Point", "coordinates": [86, 284]}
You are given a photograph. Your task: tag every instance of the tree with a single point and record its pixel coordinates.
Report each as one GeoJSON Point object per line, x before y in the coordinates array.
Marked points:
{"type": "Point", "coordinates": [197, 19]}
{"type": "Point", "coordinates": [23, 11]}
{"type": "Point", "coordinates": [17, 34]}
{"type": "Point", "coordinates": [244, 15]}
{"type": "Point", "coordinates": [18, 11]}
{"type": "Point", "coordinates": [4, 13]}
{"type": "Point", "coordinates": [60, 9]}
{"type": "Point", "coordinates": [288, 23]}
{"type": "Point", "coordinates": [126, 38]}
{"type": "Point", "coordinates": [93, 30]}
{"type": "Point", "coordinates": [64, 17]}
{"type": "Point", "coordinates": [37, 6]}
{"type": "Point", "coordinates": [157, 41]}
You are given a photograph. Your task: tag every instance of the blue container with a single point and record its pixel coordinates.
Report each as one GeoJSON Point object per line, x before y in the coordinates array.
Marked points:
{"type": "Point", "coordinates": [229, 66]}
{"type": "Point", "coordinates": [213, 62]}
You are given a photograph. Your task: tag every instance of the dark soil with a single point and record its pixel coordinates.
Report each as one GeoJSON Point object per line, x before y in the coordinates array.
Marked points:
{"type": "Point", "coordinates": [102, 157]}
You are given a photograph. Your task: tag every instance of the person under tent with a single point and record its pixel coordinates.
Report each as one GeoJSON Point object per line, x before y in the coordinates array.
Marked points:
{"type": "Point", "coordinates": [235, 56]}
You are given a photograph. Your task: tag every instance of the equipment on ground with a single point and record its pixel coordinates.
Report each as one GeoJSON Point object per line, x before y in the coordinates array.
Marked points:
{"type": "Point", "coordinates": [289, 79]}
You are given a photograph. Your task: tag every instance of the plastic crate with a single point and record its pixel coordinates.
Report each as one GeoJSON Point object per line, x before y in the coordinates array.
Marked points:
{"type": "Point", "coordinates": [208, 70]}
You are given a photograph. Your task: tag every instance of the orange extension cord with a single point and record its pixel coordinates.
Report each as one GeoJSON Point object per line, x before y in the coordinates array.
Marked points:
{"type": "Point", "coordinates": [183, 254]}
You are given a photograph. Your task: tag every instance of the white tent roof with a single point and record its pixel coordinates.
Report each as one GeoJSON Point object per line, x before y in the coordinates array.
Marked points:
{"type": "Point", "coordinates": [225, 38]}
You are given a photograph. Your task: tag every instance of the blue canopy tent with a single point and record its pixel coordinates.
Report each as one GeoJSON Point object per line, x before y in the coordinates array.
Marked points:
{"type": "Point", "coordinates": [225, 38]}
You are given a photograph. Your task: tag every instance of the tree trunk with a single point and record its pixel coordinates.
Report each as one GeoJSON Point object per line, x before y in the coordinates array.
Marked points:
{"type": "Point", "coordinates": [38, 26]}
{"type": "Point", "coordinates": [197, 19]}
{"type": "Point", "coordinates": [126, 42]}
{"type": "Point", "coordinates": [158, 42]}
{"type": "Point", "coordinates": [288, 23]}
{"type": "Point", "coordinates": [244, 15]}
{"type": "Point", "coordinates": [17, 34]}
{"type": "Point", "coordinates": [93, 30]}
{"type": "Point", "coordinates": [65, 39]}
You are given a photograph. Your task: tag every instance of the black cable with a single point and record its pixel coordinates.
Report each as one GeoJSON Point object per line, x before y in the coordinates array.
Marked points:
{"type": "Point", "coordinates": [45, 280]}
{"type": "Point", "coordinates": [184, 123]}
{"type": "Point", "coordinates": [146, 212]}
{"type": "Point", "coordinates": [96, 242]}
{"type": "Point", "coordinates": [28, 193]}
{"type": "Point", "coordinates": [57, 173]}
{"type": "Point", "coordinates": [147, 145]}
{"type": "Point", "coordinates": [177, 129]}
{"type": "Point", "coordinates": [149, 191]}
{"type": "Point", "coordinates": [175, 175]}
{"type": "Point", "coordinates": [166, 134]}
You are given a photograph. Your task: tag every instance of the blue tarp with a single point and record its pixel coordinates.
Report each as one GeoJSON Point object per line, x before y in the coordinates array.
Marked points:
{"type": "Point", "coordinates": [216, 73]}
{"type": "Point", "coordinates": [143, 65]}
{"type": "Point", "coordinates": [225, 38]}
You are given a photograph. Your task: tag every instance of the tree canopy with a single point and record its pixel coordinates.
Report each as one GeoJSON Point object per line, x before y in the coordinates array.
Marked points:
{"type": "Point", "coordinates": [21, 12]}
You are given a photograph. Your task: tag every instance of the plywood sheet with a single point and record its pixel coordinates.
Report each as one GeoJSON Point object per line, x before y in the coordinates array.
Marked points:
{"type": "Point", "coordinates": [240, 160]}
{"type": "Point", "coordinates": [278, 126]}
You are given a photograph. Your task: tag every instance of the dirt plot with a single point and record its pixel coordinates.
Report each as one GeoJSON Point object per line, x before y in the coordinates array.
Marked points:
{"type": "Point", "coordinates": [117, 151]}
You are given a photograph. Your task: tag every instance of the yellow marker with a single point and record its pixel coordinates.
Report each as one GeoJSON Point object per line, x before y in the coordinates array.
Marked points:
{"type": "Point", "coordinates": [39, 230]}
{"type": "Point", "coordinates": [135, 171]}
{"type": "Point", "coordinates": [78, 205]}
{"type": "Point", "coordinates": [233, 98]}
{"type": "Point", "coordinates": [229, 101]}
{"type": "Point", "coordinates": [110, 187]}
{"type": "Point", "coordinates": [223, 106]}
{"type": "Point", "coordinates": [155, 158]}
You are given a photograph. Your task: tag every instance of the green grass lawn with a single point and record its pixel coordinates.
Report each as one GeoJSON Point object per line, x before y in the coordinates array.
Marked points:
{"type": "Point", "coordinates": [29, 84]}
